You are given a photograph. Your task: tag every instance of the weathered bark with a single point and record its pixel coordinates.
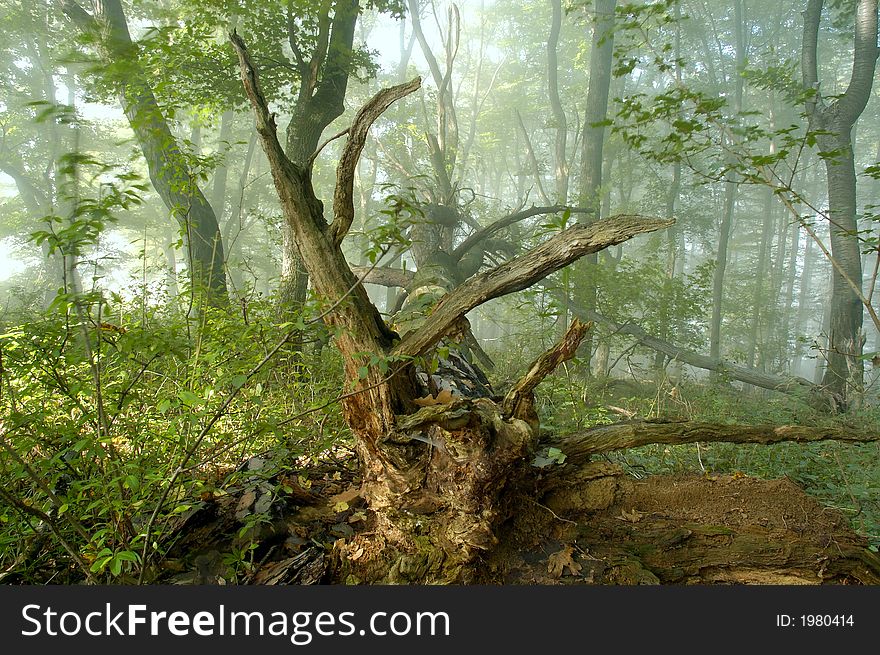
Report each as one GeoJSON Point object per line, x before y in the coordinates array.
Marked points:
{"type": "Point", "coordinates": [169, 171]}
{"type": "Point", "coordinates": [623, 436]}
{"type": "Point", "coordinates": [834, 122]}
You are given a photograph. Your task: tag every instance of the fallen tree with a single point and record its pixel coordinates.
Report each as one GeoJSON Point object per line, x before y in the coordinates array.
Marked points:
{"type": "Point", "coordinates": [436, 483]}
{"type": "Point", "coordinates": [442, 473]}
{"type": "Point", "coordinates": [818, 395]}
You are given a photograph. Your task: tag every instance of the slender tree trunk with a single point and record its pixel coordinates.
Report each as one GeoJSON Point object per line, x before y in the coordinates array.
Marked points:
{"type": "Point", "coordinates": [758, 299]}
{"type": "Point", "coordinates": [785, 364]}
{"type": "Point", "coordinates": [560, 160]}
{"type": "Point", "coordinates": [730, 191]}
{"type": "Point", "coordinates": [221, 174]}
{"type": "Point", "coordinates": [594, 139]}
{"type": "Point", "coordinates": [844, 371]}
{"type": "Point", "coordinates": [672, 254]}
{"type": "Point", "coordinates": [319, 103]}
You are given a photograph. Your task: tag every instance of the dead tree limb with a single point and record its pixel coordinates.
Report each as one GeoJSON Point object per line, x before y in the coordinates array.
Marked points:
{"type": "Point", "coordinates": [383, 276]}
{"type": "Point", "coordinates": [522, 272]}
{"type": "Point", "coordinates": [343, 201]}
{"type": "Point", "coordinates": [520, 400]}
{"type": "Point", "coordinates": [631, 434]}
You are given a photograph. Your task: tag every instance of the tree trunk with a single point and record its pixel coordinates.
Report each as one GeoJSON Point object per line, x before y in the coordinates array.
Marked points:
{"type": "Point", "coordinates": [844, 372]}
{"type": "Point", "coordinates": [169, 171]}
{"type": "Point", "coordinates": [594, 138]}
{"type": "Point", "coordinates": [435, 477]}
{"type": "Point", "coordinates": [758, 299]}
{"type": "Point", "coordinates": [730, 191]}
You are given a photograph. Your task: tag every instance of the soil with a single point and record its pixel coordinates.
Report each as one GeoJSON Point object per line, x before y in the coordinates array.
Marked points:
{"type": "Point", "coordinates": [597, 527]}
{"type": "Point", "coordinates": [693, 529]}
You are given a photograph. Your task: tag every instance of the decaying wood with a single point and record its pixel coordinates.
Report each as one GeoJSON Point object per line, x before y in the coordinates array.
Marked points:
{"type": "Point", "coordinates": [520, 401]}
{"type": "Point", "coordinates": [524, 271]}
{"type": "Point", "coordinates": [631, 434]}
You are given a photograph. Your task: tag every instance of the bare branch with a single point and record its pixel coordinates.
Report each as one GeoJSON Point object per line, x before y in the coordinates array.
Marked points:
{"type": "Point", "coordinates": [343, 196]}
{"type": "Point", "coordinates": [622, 436]}
{"type": "Point", "coordinates": [519, 401]}
{"type": "Point", "coordinates": [523, 271]}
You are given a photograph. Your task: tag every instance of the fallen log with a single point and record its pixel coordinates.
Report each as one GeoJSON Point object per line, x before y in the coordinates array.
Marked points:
{"type": "Point", "coordinates": [631, 434]}
{"type": "Point", "coordinates": [816, 394]}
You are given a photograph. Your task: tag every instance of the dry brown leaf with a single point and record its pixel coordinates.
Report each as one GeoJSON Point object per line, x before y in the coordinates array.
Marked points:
{"type": "Point", "coordinates": [557, 563]}
{"type": "Point", "coordinates": [246, 501]}
{"type": "Point", "coordinates": [633, 517]}
{"type": "Point", "coordinates": [444, 397]}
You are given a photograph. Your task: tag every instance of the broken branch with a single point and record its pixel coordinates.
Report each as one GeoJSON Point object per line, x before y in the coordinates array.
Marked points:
{"type": "Point", "coordinates": [343, 196]}
{"type": "Point", "coordinates": [519, 401]}
{"type": "Point", "coordinates": [622, 436]}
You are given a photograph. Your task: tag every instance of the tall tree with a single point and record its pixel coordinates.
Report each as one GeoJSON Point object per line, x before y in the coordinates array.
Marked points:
{"type": "Point", "coordinates": [169, 169]}
{"type": "Point", "coordinates": [594, 134]}
{"type": "Point", "coordinates": [320, 99]}
{"type": "Point", "coordinates": [729, 194]}
{"type": "Point", "coordinates": [832, 120]}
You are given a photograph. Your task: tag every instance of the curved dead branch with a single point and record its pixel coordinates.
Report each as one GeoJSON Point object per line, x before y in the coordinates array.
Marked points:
{"type": "Point", "coordinates": [507, 221]}
{"type": "Point", "coordinates": [524, 271]}
{"type": "Point", "coordinates": [519, 401]}
{"type": "Point", "coordinates": [343, 196]}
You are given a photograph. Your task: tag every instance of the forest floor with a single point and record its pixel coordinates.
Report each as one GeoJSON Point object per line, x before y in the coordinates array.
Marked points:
{"type": "Point", "coordinates": [614, 529]}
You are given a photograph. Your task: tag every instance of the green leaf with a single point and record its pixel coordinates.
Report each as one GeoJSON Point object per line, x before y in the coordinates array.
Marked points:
{"type": "Point", "coordinates": [188, 398]}
{"type": "Point", "coordinates": [238, 381]}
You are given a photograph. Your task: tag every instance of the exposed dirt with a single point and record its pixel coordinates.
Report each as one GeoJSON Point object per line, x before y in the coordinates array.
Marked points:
{"type": "Point", "coordinates": [694, 529]}
{"type": "Point", "coordinates": [596, 527]}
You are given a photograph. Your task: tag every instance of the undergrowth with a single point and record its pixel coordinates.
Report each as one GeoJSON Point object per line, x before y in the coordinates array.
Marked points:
{"type": "Point", "coordinates": [116, 419]}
